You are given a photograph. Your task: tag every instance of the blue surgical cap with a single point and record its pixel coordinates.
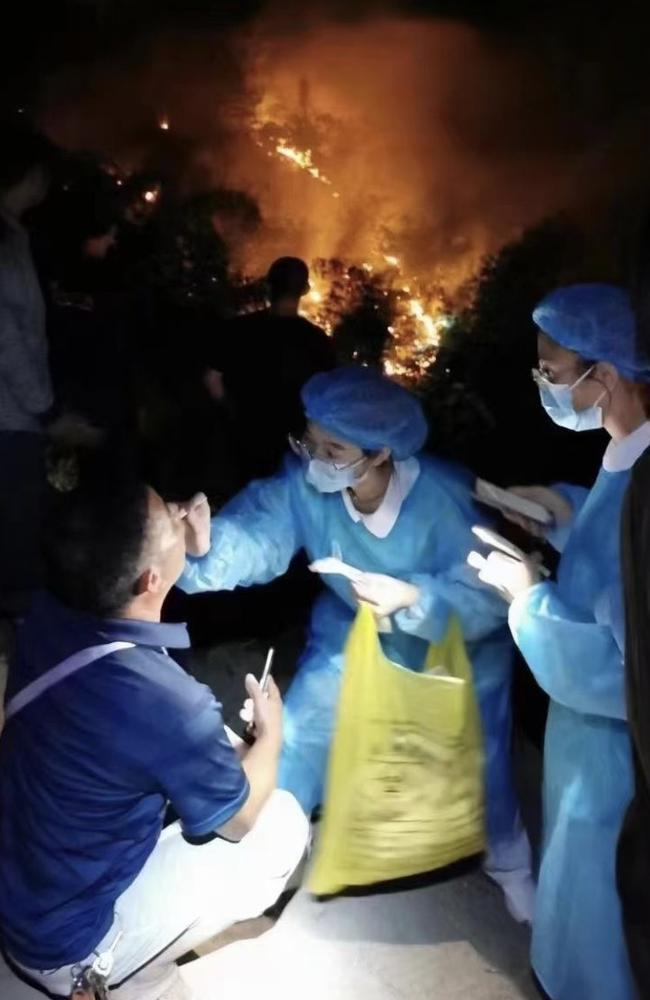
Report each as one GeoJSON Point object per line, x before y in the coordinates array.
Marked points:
{"type": "Point", "coordinates": [359, 405]}
{"type": "Point", "coordinates": [597, 322]}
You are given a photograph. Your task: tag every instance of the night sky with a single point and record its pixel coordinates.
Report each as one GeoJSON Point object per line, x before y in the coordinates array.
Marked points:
{"type": "Point", "coordinates": [523, 110]}
{"type": "Point", "coordinates": [45, 35]}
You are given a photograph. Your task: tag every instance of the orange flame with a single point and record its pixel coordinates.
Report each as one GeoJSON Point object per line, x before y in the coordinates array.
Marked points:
{"type": "Point", "coordinates": [415, 333]}
{"type": "Point", "coordinates": [303, 159]}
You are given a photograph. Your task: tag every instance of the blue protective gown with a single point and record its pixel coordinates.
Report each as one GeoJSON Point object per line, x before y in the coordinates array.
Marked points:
{"type": "Point", "coordinates": [567, 633]}
{"type": "Point", "coordinates": [254, 539]}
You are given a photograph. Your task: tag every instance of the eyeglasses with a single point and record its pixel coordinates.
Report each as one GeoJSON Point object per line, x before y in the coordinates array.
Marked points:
{"type": "Point", "coordinates": [307, 451]}
{"type": "Point", "coordinates": [541, 378]}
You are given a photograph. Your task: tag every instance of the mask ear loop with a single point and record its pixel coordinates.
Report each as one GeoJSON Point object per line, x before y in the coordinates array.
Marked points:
{"type": "Point", "coordinates": [604, 393]}
{"type": "Point", "coordinates": [582, 378]}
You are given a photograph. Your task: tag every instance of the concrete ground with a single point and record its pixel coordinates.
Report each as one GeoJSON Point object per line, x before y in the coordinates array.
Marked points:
{"type": "Point", "coordinates": [452, 941]}
{"type": "Point", "coordinates": [449, 941]}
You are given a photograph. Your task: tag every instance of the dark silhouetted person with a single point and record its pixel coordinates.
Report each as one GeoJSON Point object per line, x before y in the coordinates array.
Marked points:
{"type": "Point", "coordinates": [88, 312]}
{"type": "Point", "coordinates": [25, 388]}
{"type": "Point", "coordinates": [634, 844]}
{"type": "Point", "coordinates": [262, 363]}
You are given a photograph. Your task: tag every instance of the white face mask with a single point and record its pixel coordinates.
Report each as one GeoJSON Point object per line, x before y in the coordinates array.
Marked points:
{"type": "Point", "coordinates": [326, 478]}
{"type": "Point", "coordinates": [557, 400]}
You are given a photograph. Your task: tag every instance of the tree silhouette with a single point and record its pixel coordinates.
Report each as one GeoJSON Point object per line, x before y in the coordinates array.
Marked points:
{"type": "Point", "coordinates": [481, 401]}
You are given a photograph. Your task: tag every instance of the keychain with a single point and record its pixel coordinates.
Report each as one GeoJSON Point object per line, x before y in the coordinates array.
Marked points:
{"type": "Point", "coordinates": [90, 982]}
{"type": "Point", "coordinates": [87, 984]}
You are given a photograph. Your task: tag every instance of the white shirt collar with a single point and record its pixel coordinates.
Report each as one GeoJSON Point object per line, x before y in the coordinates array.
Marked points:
{"type": "Point", "coordinates": [382, 521]}
{"type": "Point", "coordinates": [621, 455]}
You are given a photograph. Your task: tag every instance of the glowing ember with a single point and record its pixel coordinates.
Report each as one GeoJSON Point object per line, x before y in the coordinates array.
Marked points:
{"type": "Point", "coordinates": [428, 323]}
{"type": "Point", "coordinates": [303, 159]}
{"type": "Point", "coordinates": [414, 322]}
{"type": "Point", "coordinates": [279, 145]}
{"type": "Point", "coordinates": [373, 294]}
{"type": "Point", "coordinates": [164, 123]}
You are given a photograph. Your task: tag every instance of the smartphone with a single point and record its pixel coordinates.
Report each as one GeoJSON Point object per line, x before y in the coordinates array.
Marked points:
{"type": "Point", "coordinates": [266, 673]}
{"type": "Point", "coordinates": [496, 541]}
{"type": "Point", "coordinates": [494, 496]}
{"type": "Point", "coordinates": [248, 735]}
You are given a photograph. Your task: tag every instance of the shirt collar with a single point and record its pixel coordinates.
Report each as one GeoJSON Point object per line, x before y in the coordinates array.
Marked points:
{"type": "Point", "coordinates": [168, 635]}
{"type": "Point", "coordinates": [621, 455]}
{"type": "Point", "coordinates": [382, 521]}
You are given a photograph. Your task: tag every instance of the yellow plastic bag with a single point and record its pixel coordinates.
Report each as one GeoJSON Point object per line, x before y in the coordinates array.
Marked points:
{"type": "Point", "coordinates": [405, 780]}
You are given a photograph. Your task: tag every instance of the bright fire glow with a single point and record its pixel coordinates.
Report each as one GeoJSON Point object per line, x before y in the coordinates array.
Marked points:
{"type": "Point", "coordinates": [303, 159]}
{"type": "Point", "coordinates": [164, 123]}
{"type": "Point", "coordinates": [150, 196]}
{"type": "Point", "coordinates": [418, 315]}
{"type": "Point", "coordinates": [417, 322]}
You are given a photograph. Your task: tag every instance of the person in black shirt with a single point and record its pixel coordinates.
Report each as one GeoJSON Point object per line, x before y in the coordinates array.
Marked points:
{"type": "Point", "coordinates": [262, 363]}
{"type": "Point", "coordinates": [88, 313]}
{"type": "Point", "coordinates": [634, 844]}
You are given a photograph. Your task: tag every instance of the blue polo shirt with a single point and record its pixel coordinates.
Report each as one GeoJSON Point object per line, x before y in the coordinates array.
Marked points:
{"type": "Point", "coordinates": [86, 772]}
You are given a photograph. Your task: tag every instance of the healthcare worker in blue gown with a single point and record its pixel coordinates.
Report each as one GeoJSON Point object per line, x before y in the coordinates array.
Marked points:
{"type": "Point", "coordinates": [569, 632]}
{"type": "Point", "coordinates": [358, 488]}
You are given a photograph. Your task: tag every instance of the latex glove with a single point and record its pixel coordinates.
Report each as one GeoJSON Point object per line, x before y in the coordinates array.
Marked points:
{"type": "Point", "coordinates": [197, 524]}
{"type": "Point", "coordinates": [385, 594]}
{"type": "Point", "coordinates": [553, 501]}
{"type": "Point", "coordinates": [511, 577]}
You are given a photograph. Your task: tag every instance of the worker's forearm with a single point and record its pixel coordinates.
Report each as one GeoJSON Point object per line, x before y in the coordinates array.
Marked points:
{"type": "Point", "coordinates": [260, 764]}
{"type": "Point", "coordinates": [261, 767]}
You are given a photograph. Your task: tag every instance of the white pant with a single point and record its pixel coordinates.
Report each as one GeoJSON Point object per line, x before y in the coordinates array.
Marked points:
{"type": "Point", "coordinates": [185, 895]}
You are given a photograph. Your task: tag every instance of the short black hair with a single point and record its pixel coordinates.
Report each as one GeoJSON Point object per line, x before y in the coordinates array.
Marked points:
{"type": "Point", "coordinates": [96, 529]}
{"type": "Point", "coordinates": [23, 150]}
{"type": "Point", "coordinates": [288, 276]}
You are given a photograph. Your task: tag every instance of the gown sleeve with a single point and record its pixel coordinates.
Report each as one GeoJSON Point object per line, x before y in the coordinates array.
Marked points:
{"type": "Point", "coordinates": [575, 659]}
{"type": "Point", "coordinates": [454, 587]}
{"type": "Point", "coordinates": [455, 592]}
{"type": "Point", "coordinates": [576, 496]}
{"type": "Point", "coordinates": [254, 539]}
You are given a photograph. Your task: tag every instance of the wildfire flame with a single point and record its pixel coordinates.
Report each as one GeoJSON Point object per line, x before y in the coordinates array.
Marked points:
{"type": "Point", "coordinates": [418, 320]}
{"type": "Point", "coordinates": [303, 158]}
{"type": "Point", "coordinates": [164, 123]}
{"type": "Point", "coordinates": [419, 312]}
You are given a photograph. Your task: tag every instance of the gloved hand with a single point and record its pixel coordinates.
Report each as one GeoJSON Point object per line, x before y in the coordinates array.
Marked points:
{"type": "Point", "coordinates": [554, 502]}
{"type": "Point", "coordinates": [511, 577]}
{"type": "Point", "coordinates": [197, 524]}
{"type": "Point", "coordinates": [385, 594]}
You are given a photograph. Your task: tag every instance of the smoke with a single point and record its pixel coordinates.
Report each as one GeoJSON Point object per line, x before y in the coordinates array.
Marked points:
{"type": "Point", "coordinates": [442, 142]}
